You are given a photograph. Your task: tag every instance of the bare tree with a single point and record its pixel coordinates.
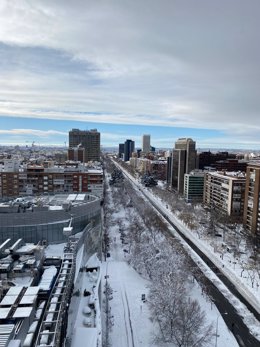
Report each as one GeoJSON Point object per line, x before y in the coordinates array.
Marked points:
{"type": "Point", "coordinates": [190, 328]}
{"type": "Point", "coordinates": [181, 321]}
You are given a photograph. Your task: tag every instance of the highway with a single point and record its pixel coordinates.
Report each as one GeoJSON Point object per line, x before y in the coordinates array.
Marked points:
{"type": "Point", "coordinates": [226, 309]}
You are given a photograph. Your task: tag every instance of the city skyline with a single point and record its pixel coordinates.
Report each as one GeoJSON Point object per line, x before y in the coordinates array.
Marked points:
{"type": "Point", "coordinates": [176, 69]}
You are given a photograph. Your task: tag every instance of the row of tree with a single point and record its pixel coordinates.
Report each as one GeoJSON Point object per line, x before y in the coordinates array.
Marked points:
{"type": "Point", "coordinates": [161, 259]}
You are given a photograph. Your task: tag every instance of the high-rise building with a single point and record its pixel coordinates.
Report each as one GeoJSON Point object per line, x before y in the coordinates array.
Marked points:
{"type": "Point", "coordinates": [146, 146]}
{"type": "Point", "coordinates": [121, 150]}
{"type": "Point", "coordinates": [252, 201]}
{"type": "Point", "coordinates": [89, 140]}
{"type": "Point", "coordinates": [183, 161]}
{"type": "Point", "coordinates": [129, 148]}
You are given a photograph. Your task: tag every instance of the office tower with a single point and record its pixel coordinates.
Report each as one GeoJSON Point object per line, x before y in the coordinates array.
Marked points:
{"type": "Point", "coordinates": [194, 186]}
{"type": "Point", "coordinates": [183, 161]}
{"type": "Point", "coordinates": [89, 140]}
{"type": "Point", "coordinates": [121, 150]}
{"type": "Point", "coordinates": [129, 148]}
{"type": "Point", "coordinates": [252, 203]}
{"type": "Point", "coordinates": [146, 143]}
{"type": "Point", "coordinates": [189, 146]}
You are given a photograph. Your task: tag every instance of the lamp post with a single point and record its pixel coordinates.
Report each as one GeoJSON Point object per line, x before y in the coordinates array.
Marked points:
{"type": "Point", "coordinates": [216, 341]}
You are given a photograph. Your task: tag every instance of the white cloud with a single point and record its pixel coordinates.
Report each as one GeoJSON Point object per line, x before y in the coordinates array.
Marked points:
{"type": "Point", "coordinates": [33, 132]}
{"type": "Point", "coordinates": [177, 63]}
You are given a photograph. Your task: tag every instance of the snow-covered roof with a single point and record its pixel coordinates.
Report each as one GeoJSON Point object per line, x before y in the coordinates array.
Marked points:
{"type": "Point", "coordinates": [232, 175]}
{"type": "Point", "coordinates": [81, 197]}
{"type": "Point", "coordinates": [55, 208]}
{"type": "Point", "coordinates": [22, 312]}
{"type": "Point", "coordinates": [4, 311]}
{"type": "Point", "coordinates": [11, 296]}
{"type": "Point", "coordinates": [71, 197]}
{"type": "Point", "coordinates": [95, 171]}
{"type": "Point", "coordinates": [47, 277]}
{"type": "Point", "coordinates": [28, 248]}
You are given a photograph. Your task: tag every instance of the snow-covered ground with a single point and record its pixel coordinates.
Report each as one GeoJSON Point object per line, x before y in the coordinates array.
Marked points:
{"type": "Point", "coordinates": [226, 263]}
{"type": "Point", "coordinates": [132, 323]}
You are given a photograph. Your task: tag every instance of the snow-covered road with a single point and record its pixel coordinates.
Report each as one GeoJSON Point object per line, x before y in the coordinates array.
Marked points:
{"type": "Point", "coordinates": [132, 326]}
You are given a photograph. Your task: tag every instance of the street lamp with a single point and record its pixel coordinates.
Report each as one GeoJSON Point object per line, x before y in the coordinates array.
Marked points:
{"type": "Point", "coordinates": [216, 341]}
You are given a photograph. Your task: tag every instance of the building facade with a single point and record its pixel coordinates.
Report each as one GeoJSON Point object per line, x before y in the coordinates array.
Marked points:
{"type": "Point", "coordinates": [89, 140]}
{"type": "Point", "coordinates": [36, 179]}
{"type": "Point", "coordinates": [146, 145]}
{"type": "Point", "coordinates": [251, 216]}
{"type": "Point", "coordinates": [129, 148]}
{"type": "Point", "coordinates": [76, 154]}
{"type": "Point", "coordinates": [194, 186]}
{"type": "Point", "coordinates": [206, 159]}
{"type": "Point", "coordinates": [225, 192]}
{"type": "Point", "coordinates": [121, 150]}
{"type": "Point", "coordinates": [183, 161]}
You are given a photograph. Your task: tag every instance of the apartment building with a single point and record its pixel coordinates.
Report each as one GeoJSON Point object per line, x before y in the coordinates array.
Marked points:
{"type": "Point", "coordinates": [36, 179]}
{"type": "Point", "coordinates": [158, 169]}
{"type": "Point", "coordinates": [225, 192]}
{"type": "Point", "coordinates": [251, 216]}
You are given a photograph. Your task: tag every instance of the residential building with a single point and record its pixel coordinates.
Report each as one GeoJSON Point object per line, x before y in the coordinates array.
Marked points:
{"type": "Point", "coordinates": [157, 169]}
{"type": "Point", "coordinates": [37, 179]}
{"type": "Point", "coordinates": [251, 217]}
{"type": "Point", "coordinates": [89, 140]}
{"type": "Point", "coordinates": [146, 146]}
{"type": "Point", "coordinates": [194, 186]}
{"type": "Point", "coordinates": [225, 192]}
{"type": "Point", "coordinates": [142, 165]}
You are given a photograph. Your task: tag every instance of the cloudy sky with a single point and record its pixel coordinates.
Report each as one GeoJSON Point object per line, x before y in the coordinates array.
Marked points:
{"type": "Point", "coordinates": [171, 68]}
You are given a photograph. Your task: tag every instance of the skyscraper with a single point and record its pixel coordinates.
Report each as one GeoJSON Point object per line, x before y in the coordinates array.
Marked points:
{"type": "Point", "coordinates": [89, 140]}
{"type": "Point", "coordinates": [183, 161]}
{"type": "Point", "coordinates": [121, 150]}
{"type": "Point", "coordinates": [146, 143]}
{"type": "Point", "coordinates": [128, 149]}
